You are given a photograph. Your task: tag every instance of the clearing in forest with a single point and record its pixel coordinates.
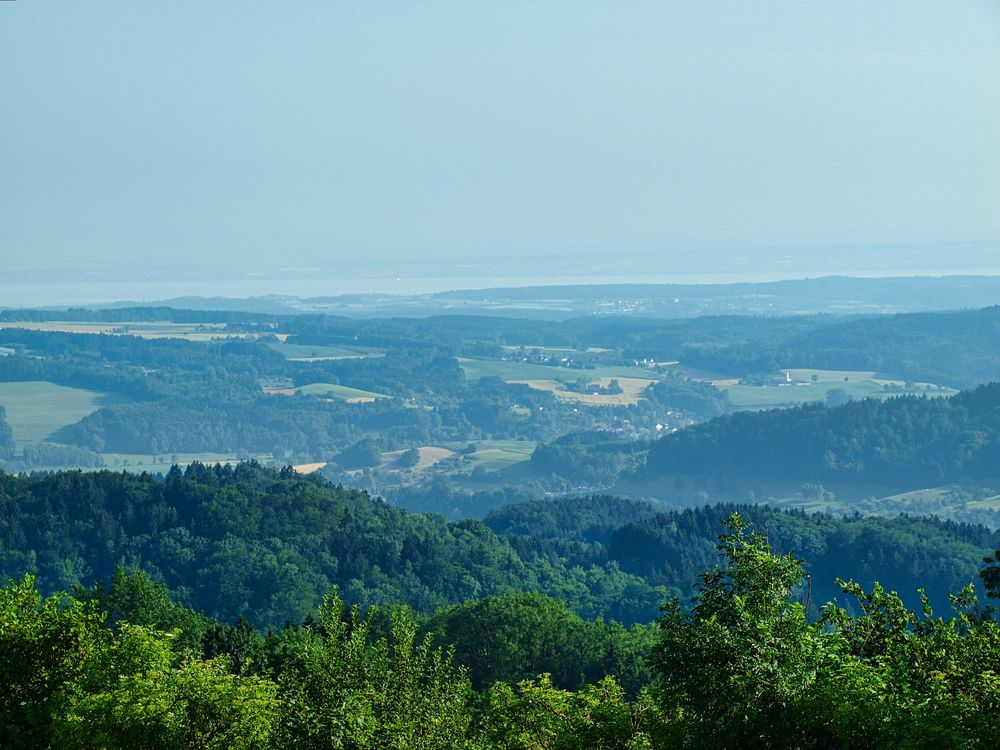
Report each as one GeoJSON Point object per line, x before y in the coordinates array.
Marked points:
{"type": "Point", "coordinates": [332, 391]}
{"type": "Point", "coordinates": [429, 455]}
{"type": "Point", "coordinates": [632, 389]}
{"type": "Point", "coordinates": [36, 408]}
{"type": "Point", "coordinates": [520, 371]}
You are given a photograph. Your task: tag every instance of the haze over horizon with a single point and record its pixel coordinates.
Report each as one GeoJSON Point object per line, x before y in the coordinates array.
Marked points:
{"type": "Point", "coordinates": [379, 143]}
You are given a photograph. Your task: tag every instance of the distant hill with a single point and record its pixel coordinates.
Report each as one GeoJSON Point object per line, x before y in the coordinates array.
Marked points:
{"type": "Point", "coordinates": [905, 442]}
{"type": "Point", "coordinates": [266, 544]}
{"type": "Point", "coordinates": [836, 295]}
{"type": "Point", "coordinates": [672, 548]}
{"type": "Point", "coordinates": [956, 348]}
{"type": "Point", "coordinates": [902, 553]}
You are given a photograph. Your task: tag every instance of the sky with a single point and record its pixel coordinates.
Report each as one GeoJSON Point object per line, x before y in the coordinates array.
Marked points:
{"type": "Point", "coordinates": [262, 134]}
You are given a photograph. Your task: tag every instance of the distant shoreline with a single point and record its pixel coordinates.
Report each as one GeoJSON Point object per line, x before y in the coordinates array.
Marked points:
{"type": "Point", "coordinates": [26, 292]}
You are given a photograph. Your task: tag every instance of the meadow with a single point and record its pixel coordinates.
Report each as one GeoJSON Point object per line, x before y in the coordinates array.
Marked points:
{"type": "Point", "coordinates": [491, 455]}
{"type": "Point", "coordinates": [340, 392]}
{"type": "Point", "coordinates": [318, 353]}
{"type": "Point", "coordinates": [803, 389]}
{"type": "Point", "coordinates": [38, 409]}
{"type": "Point", "coordinates": [522, 371]}
{"type": "Point", "coordinates": [632, 389]}
{"type": "Point", "coordinates": [499, 454]}
{"type": "Point", "coordinates": [429, 455]}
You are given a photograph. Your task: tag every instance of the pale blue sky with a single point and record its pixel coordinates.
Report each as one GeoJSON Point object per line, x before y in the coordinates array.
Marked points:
{"type": "Point", "coordinates": [318, 131]}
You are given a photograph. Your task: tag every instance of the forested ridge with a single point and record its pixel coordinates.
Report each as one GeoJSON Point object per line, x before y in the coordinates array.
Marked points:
{"type": "Point", "coordinates": [265, 544]}
{"type": "Point", "coordinates": [123, 666]}
{"type": "Point", "coordinates": [904, 441]}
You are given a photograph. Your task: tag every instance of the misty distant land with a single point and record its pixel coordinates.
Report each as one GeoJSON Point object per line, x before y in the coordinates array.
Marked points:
{"type": "Point", "coordinates": [835, 295]}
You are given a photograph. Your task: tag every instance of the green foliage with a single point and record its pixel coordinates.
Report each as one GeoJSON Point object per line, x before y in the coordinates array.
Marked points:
{"type": "Point", "coordinates": [362, 454]}
{"type": "Point", "coordinates": [590, 518]}
{"type": "Point", "coordinates": [538, 716]}
{"type": "Point", "coordinates": [744, 667]}
{"type": "Point", "coordinates": [134, 598]}
{"type": "Point", "coordinates": [591, 458]}
{"type": "Point", "coordinates": [990, 575]}
{"type": "Point", "coordinates": [342, 690]}
{"type": "Point", "coordinates": [264, 544]}
{"type": "Point", "coordinates": [6, 435]}
{"type": "Point", "coordinates": [43, 644]}
{"type": "Point", "coordinates": [68, 681]}
{"type": "Point", "coordinates": [904, 553]}
{"type": "Point", "coordinates": [899, 679]}
{"type": "Point", "coordinates": [514, 638]}
{"type": "Point", "coordinates": [161, 704]}
{"type": "Point", "coordinates": [740, 661]}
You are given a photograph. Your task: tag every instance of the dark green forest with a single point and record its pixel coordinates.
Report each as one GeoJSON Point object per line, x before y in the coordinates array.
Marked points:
{"type": "Point", "coordinates": [264, 544]}
{"type": "Point", "coordinates": [900, 442]}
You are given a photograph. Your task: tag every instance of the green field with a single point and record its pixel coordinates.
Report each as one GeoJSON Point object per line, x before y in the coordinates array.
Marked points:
{"type": "Point", "coordinates": [36, 409]}
{"type": "Point", "coordinates": [482, 368]}
{"type": "Point", "coordinates": [315, 352]}
{"type": "Point", "coordinates": [762, 396]}
{"type": "Point", "coordinates": [989, 503]}
{"type": "Point", "coordinates": [342, 392]}
{"type": "Point", "coordinates": [547, 349]}
{"type": "Point", "coordinates": [858, 385]}
{"type": "Point", "coordinates": [498, 454]}
{"type": "Point", "coordinates": [804, 373]}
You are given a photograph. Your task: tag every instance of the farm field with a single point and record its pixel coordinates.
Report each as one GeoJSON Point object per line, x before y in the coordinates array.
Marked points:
{"type": "Point", "coordinates": [429, 455]}
{"type": "Point", "coordinates": [491, 455]}
{"type": "Point", "coordinates": [36, 409]}
{"type": "Point", "coordinates": [316, 353]}
{"type": "Point", "coordinates": [630, 395]}
{"type": "Point", "coordinates": [858, 385]}
{"type": "Point", "coordinates": [823, 376]}
{"type": "Point", "coordinates": [521, 371]}
{"type": "Point", "coordinates": [498, 454]}
{"type": "Point", "coordinates": [189, 331]}
{"type": "Point", "coordinates": [341, 392]}
{"type": "Point", "coordinates": [988, 503]}
{"type": "Point", "coordinates": [553, 349]}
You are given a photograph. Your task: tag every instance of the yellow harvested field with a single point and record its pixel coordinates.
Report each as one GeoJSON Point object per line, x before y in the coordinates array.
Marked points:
{"type": "Point", "coordinates": [61, 326]}
{"type": "Point", "coordinates": [429, 455]}
{"type": "Point", "coordinates": [308, 468]}
{"type": "Point", "coordinates": [632, 389]}
{"type": "Point", "coordinates": [202, 332]}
